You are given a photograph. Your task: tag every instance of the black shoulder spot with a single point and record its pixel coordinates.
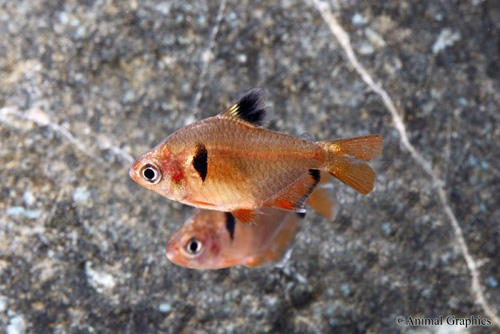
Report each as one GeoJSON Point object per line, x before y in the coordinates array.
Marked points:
{"type": "Point", "coordinates": [200, 161]}
{"type": "Point", "coordinates": [249, 108]}
{"type": "Point", "coordinates": [230, 222]}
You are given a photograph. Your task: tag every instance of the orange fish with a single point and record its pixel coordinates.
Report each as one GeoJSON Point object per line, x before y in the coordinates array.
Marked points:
{"type": "Point", "coordinates": [214, 239]}
{"type": "Point", "coordinates": [227, 163]}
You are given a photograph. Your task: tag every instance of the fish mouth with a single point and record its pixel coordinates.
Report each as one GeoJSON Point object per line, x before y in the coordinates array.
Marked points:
{"type": "Point", "coordinates": [171, 252]}
{"type": "Point", "coordinates": [132, 171]}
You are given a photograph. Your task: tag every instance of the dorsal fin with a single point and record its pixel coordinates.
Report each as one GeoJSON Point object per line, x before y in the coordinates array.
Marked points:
{"type": "Point", "coordinates": [250, 108]}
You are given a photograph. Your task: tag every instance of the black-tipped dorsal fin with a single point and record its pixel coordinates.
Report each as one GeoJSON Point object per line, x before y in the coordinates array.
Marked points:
{"type": "Point", "coordinates": [250, 108]}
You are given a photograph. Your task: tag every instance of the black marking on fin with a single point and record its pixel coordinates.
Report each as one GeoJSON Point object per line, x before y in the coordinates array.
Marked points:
{"type": "Point", "coordinates": [249, 108]}
{"type": "Point", "coordinates": [315, 174]}
{"type": "Point", "coordinates": [200, 161]}
{"type": "Point", "coordinates": [301, 214]}
{"type": "Point", "coordinates": [230, 224]}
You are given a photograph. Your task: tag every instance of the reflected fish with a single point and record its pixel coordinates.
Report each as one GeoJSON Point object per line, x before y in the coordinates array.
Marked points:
{"type": "Point", "coordinates": [227, 163]}
{"type": "Point", "coordinates": [214, 239]}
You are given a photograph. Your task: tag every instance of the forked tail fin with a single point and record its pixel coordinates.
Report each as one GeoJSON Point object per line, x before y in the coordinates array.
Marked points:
{"type": "Point", "coordinates": [347, 160]}
{"type": "Point", "coordinates": [364, 148]}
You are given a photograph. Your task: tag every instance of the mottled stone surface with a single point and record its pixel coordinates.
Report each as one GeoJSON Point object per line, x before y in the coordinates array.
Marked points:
{"type": "Point", "coordinates": [85, 85]}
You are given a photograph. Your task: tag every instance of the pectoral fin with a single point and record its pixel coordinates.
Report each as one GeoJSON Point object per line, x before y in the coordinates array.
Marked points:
{"type": "Point", "coordinates": [244, 216]}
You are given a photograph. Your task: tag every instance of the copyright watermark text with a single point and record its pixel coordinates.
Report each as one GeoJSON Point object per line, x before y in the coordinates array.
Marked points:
{"type": "Point", "coordinates": [451, 320]}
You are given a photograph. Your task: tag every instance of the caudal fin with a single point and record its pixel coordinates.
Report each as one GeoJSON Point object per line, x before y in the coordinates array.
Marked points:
{"type": "Point", "coordinates": [364, 148]}
{"type": "Point", "coordinates": [354, 172]}
{"type": "Point", "coordinates": [347, 160]}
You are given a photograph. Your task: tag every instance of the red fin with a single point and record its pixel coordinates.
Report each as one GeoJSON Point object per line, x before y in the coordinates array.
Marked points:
{"type": "Point", "coordinates": [363, 148]}
{"type": "Point", "coordinates": [244, 216]}
{"type": "Point", "coordinates": [353, 172]}
{"type": "Point", "coordinates": [323, 198]}
{"type": "Point", "coordinates": [295, 195]}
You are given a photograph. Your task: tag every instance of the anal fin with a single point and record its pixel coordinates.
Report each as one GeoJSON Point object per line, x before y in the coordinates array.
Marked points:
{"type": "Point", "coordinates": [295, 195]}
{"type": "Point", "coordinates": [258, 261]}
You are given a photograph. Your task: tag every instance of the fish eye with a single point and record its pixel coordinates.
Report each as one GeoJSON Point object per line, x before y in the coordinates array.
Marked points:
{"type": "Point", "coordinates": [151, 174]}
{"type": "Point", "coordinates": [193, 247]}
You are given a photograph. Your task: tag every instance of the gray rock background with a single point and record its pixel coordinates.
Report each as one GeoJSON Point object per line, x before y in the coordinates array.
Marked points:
{"type": "Point", "coordinates": [87, 85]}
